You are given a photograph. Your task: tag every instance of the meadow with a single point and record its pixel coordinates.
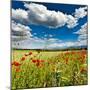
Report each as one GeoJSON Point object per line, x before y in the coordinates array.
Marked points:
{"type": "Point", "coordinates": [35, 69]}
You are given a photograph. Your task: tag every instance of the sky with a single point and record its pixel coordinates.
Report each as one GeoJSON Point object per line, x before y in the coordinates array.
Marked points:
{"type": "Point", "coordinates": [38, 25]}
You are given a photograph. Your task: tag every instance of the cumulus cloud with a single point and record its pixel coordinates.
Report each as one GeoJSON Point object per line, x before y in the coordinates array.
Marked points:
{"type": "Point", "coordinates": [83, 30]}
{"type": "Point", "coordinates": [39, 14]}
{"type": "Point", "coordinates": [80, 12]}
{"type": "Point", "coordinates": [20, 15]}
{"type": "Point", "coordinates": [83, 34]}
{"type": "Point", "coordinates": [20, 32]}
{"type": "Point", "coordinates": [71, 21]}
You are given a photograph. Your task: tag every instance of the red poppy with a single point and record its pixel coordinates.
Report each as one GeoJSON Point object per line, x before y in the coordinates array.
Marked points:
{"type": "Point", "coordinates": [30, 53]}
{"type": "Point", "coordinates": [15, 63]}
{"type": "Point", "coordinates": [34, 61]}
{"type": "Point", "coordinates": [23, 58]}
{"type": "Point", "coordinates": [38, 60]}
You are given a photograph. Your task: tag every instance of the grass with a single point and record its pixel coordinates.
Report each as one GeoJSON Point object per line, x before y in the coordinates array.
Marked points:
{"type": "Point", "coordinates": [34, 69]}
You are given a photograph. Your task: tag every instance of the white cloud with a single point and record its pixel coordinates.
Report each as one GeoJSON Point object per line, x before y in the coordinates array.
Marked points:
{"type": "Point", "coordinates": [39, 14]}
{"type": "Point", "coordinates": [62, 45]}
{"type": "Point", "coordinates": [83, 30]}
{"type": "Point", "coordinates": [20, 15]}
{"type": "Point", "coordinates": [54, 40]}
{"type": "Point", "coordinates": [71, 21]}
{"type": "Point", "coordinates": [83, 35]}
{"type": "Point", "coordinates": [35, 43]}
{"type": "Point", "coordinates": [67, 44]}
{"type": "Point", "coordinates": [20, 32]}
{"type": "Point", "coordinates": [80, 12]}
{"type": "Point", "coordinates": [82, 42]}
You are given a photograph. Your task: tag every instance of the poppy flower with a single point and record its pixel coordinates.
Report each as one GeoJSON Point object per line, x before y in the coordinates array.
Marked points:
{"type": "Point", "coordinates": [23, 58]}
{"type": "Point", "coordinates": [38, 60]}
{"type": "Point", "coordinates": [34, 61]}
{"type": "Point", "coordinates": [15, 63]}
{"type": "Point", "coordinates": [30, 53]}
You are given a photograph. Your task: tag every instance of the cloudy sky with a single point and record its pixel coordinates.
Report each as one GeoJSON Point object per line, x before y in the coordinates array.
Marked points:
{"type": "Point", "coordinates": [44, 25]}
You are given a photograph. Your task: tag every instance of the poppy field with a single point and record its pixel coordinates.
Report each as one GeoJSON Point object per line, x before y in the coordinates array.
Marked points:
{"type": "Point", "coordinates": [35, 69]}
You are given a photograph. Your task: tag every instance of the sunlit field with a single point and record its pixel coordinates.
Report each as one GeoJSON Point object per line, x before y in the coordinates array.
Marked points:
{"type": "Point", "coordinates": [31, 68]}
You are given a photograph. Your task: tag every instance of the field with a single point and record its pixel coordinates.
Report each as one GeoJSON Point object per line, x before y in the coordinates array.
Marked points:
{"type": "Point", "coordinates": [32, 68]}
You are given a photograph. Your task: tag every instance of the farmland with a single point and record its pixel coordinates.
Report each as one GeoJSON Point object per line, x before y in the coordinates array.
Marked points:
{"type": "Point", "coordinates": [33, 68]}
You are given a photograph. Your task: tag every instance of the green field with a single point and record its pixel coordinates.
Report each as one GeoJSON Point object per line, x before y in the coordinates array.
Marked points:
{"type": "Point", "coordinates": [31, 68]}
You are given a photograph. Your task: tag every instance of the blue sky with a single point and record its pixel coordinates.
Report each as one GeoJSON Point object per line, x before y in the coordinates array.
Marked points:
{"type": "Point", "coordinates": [63, 29]}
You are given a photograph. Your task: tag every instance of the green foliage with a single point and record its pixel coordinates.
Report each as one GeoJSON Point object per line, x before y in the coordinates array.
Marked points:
{"type": "Point", "coordinates": [63, 68]}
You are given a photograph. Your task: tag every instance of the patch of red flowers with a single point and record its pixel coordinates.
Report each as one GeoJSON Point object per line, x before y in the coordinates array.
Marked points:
{"type": "Point", "coordinates": [34, 61]}
{"type": "Point", "coordinates": [23, 58]}
{"type": "Point", "coordinates": [15, 63]}
{"type": "Point", "coordinates": [38, 62]}
{"type": "Point", "coordinates": [30, 53]}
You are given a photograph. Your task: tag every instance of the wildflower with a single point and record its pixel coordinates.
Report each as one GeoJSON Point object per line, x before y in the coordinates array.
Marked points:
{"type": "Point", "coordinates": [34, 61]}
{"type": "Point", "coordinates": [38, 60]}
{"type": "Point", "coordinates": [23, 58]}
{"type": "Point", "coordinates": [15, 63]}
{"type": "Point", "coordinates": [30, 53]}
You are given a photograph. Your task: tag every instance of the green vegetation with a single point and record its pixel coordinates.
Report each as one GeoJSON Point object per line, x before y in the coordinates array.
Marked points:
{"type": "Point", "coordinates": [33, 68]}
